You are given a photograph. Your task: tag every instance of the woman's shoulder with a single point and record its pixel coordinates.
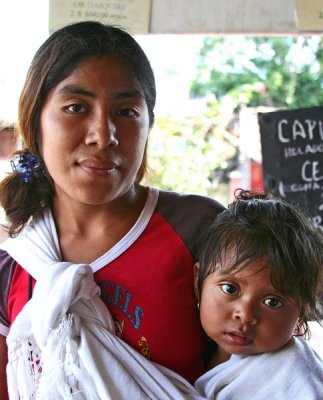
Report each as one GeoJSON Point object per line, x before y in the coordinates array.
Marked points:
{"type": "Point", "coordinates": [7, 268]}
{"type": "Point", "coordinates": [189, 215]}
{"type": "Point", "coordinates": [6, 261]}
{"type": "Point", "coordinates": [188, 203]}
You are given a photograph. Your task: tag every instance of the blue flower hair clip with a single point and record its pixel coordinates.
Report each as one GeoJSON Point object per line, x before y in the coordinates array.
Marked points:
{"type": "Point", "coordinates": [27, 165]}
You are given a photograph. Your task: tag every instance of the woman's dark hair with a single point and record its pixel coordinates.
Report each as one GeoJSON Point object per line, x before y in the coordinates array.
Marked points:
{"type": "Point", "coordinates": [258, 226]}
{"type": "Point", "coordinates": [58, 56]}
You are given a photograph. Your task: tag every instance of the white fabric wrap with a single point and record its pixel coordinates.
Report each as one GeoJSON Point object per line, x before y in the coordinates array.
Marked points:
{"type": "Point", "coordinates": [62, 345]}
{"type": "Point", "coordinates": [294, 372]}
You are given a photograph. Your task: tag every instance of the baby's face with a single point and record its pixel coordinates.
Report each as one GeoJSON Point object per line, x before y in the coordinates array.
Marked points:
{"type": "Point", "coordinates": [244, 314]}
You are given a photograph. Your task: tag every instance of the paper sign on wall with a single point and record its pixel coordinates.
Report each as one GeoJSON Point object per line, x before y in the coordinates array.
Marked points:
{"type": "Point", "coordinates": [132, 15]}
{"type": "Point", "coordinates": [309, 15]}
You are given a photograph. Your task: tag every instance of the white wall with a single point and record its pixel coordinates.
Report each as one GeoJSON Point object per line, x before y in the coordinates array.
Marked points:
{"type": "Point", "coordinates": [224, 16]}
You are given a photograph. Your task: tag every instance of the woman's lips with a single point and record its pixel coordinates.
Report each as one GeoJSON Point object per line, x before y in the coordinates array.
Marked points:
{"type": "Point", "coordinates": [237, 338]}
{"type": "Point", "coordinates": [98, 167]}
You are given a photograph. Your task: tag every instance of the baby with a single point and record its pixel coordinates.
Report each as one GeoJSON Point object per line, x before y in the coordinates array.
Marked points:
{"type": "Point", "coordinates": [258, 282]}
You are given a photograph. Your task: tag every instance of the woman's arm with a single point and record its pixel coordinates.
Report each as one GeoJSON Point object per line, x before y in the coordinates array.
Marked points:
{"type": "Point", "coordinates": [3, 364]}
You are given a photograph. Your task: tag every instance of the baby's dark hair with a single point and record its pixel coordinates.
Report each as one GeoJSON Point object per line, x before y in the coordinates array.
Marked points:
{"type": "Point", "coordinates": [258, 226]}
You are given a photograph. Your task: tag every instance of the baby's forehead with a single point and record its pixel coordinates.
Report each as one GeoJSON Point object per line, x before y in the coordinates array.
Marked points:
{"type": "Point", "coordinates": [233, 262]}
{"type": "Point", "coordinates": [246, 269]}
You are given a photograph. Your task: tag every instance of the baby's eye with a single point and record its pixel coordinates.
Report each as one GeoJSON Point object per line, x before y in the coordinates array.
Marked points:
{"type": "Point", "coordinates": [228, 288]}
{"type": "Point", "coordinates": [75, 108]}
{"type": "Point", "coordinates": [273, 303]}
{"type": "Point", "coordinates": [128, 112]}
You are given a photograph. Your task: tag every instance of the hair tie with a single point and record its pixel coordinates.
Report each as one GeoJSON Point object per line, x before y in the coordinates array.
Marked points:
{"type": "Point", "coordinates": [27, 165]}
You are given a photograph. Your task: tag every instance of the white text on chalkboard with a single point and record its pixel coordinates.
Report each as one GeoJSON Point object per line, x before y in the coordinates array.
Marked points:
{"type": "Point", "coordinates": [312, 171]}
{"type": "Point", "coordinates": [310, 129]}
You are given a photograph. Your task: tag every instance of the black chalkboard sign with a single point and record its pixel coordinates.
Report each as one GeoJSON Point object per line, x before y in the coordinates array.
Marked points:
{"type": "Point", "coordinates": [292, 153]}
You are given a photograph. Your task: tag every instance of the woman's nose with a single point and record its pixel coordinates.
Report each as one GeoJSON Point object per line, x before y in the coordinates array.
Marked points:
{"type": "Point", "coordinates": [246, 313]}
{"type": "Point", "coordinates": [102, 133]}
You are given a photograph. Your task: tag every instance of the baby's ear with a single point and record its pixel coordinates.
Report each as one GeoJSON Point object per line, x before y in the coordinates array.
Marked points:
{"type": "Point", "coordinates": [196, 279]}
{"type": "Point", "coordinates": [300, 327]}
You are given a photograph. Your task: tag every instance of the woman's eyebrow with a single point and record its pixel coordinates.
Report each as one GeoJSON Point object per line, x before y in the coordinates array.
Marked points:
{"type": "Point", "coordinates": [76, 89]}
{"type": "Point", "coordinates": [132, 94]}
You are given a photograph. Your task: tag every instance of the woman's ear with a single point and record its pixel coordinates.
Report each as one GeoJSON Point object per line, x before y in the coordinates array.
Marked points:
{"type": "Point", "coordinates": [196, 279]}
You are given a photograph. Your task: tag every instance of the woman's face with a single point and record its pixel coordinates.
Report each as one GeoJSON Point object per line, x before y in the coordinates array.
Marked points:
{"type": "Point", "coordinates": [94, 128]}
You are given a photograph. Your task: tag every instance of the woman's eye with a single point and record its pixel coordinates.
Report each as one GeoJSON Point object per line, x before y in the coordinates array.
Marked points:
{"type": "Point", "coordinates": [75, 108]}
{"type": "Point", "coordinates": [228, 288]}
{"type": "Point", "coordinates": [128, 112]}
{"type": "Point", "coordinates": [272, 302]}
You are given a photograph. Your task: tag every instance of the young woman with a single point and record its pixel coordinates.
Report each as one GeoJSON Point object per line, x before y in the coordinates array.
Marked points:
{"type": "Point", "coordinates": [84, 115]}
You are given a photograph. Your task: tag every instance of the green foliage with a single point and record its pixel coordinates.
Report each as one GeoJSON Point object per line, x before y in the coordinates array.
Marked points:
{"type": "Point", "coordinates": [194, 154]}
{"type": "Point", "coordinates": [262, 71]}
